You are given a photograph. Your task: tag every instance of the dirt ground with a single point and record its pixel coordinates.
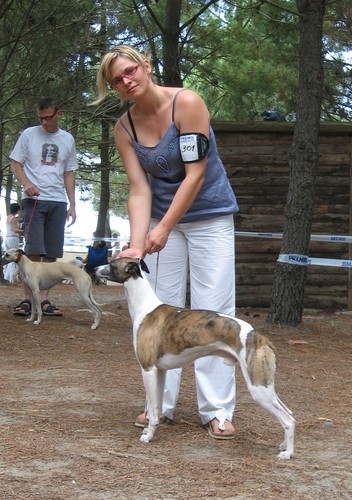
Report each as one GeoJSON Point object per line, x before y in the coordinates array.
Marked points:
{"type": "Point", "coordinates": [69, 396]}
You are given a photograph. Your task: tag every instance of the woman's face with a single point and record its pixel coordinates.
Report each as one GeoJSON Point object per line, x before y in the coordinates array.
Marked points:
{"type": "Point", "coordinates": [129, 78]}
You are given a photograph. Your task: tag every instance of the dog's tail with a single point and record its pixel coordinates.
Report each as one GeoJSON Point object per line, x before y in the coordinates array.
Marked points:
{"type": "Point", "coordinates": [94, 302]}
{"type": "Point", "coordinates": [260, 360]}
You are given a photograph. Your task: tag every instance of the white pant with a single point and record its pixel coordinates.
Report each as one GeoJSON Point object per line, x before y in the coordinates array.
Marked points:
{"type": "Point", "coordinates": [206, 250]}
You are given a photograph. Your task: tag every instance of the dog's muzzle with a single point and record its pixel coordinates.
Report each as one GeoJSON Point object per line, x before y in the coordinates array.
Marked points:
{"type": "Point", "coordinates": [104, 272]}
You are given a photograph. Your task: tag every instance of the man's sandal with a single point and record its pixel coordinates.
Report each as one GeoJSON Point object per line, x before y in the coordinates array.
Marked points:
{"type": "Point", "coordinates": [50, 310]}
{"type": "Point", "coordinates": [24, 308]}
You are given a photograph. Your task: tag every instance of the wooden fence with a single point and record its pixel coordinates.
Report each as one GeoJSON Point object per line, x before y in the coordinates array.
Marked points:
{"type": "Point", "coordinates": [256, 157]}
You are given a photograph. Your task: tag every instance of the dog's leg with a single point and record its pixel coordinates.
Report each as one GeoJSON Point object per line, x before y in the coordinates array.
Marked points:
{"type": "Point", "coordinates": [36, 314]}
{"type": "Point", "coordinates": [288, 443]}
{"type": "Point", "coordinates": [258, 365]}
{"type": "Point", "coordinates": [268, 399]}
{"type": "Point", "coordinates": [150, 380]}
{"type": "Point", "coordinates": [95, 309]}
{"type": "Point", "coordinates": [37, 309]}
{"type": "Point", "coordinates": [84, 288]}
{"type": "Point", "coordinates": [265, 395]}
{"type": "Point", "coordinates": [161, 387]}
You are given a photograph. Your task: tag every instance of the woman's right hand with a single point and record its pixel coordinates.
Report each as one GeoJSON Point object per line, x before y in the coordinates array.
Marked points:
{"type": "Point", "coordinates": [128, 251]}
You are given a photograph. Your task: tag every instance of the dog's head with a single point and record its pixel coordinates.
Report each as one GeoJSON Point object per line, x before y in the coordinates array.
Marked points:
{"type": "Point", "coordinates": [121, 270]}
{"type": "Point", "coordinates": [12, 255]}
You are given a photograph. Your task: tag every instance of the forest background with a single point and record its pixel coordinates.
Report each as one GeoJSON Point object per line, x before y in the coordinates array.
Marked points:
{"type": "Point", "coordinates": [244, 57]}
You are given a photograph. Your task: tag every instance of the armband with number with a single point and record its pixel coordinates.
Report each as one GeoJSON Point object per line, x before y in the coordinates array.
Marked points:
{"type": "Point", "coordinates": [194, 146]}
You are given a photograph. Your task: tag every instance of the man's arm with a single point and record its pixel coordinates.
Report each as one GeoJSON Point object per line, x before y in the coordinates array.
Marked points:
{"type": "Point", "coordinates": [29, 188]}
{"type": "Point", "coordinates": [70, 186]}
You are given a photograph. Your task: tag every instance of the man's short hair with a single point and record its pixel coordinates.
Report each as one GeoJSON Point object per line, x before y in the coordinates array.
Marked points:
{"type": "Point", "coordinates": [48, 102]}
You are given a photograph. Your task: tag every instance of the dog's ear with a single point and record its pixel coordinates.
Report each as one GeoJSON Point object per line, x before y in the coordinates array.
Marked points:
{"type": "Point", "coordinates": [144, 266]}
{"type": "Point", "coordinates": [132, 268]}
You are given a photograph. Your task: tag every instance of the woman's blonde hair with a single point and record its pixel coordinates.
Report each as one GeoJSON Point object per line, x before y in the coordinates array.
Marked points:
{"type": "Point", "coordinates": [104, 76]}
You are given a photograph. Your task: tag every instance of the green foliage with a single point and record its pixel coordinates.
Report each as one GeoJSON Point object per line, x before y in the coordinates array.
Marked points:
{"type": "Point", "coordinates": [241, 56]}
{"type": "Point", "coordinates": [90, 185]}
{"type": "Point", "coordinates": [249, 69]}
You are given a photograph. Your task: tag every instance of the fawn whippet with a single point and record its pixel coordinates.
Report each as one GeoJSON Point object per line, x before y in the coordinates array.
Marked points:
{"type": "Point", "coordinates": [44, 275]}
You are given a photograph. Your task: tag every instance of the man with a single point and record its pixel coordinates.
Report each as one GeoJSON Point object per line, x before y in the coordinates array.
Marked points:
{"type": "Point", "coordinates": [44, 162]}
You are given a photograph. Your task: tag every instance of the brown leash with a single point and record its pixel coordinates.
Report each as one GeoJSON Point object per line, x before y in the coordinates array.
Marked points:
{"type": "Point", "coordinates": [30, 219]}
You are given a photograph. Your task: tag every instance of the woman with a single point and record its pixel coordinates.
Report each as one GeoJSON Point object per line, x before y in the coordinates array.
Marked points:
{"type": "Point", "coordinates": [12, 240]}
{"type": "Point", "coordinates": [181, 205]}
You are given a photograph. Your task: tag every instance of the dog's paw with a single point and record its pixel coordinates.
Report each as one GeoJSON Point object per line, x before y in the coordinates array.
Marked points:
{"type": "Point", "coordinates": [285, 455]}
{"type": "Point", "coordinates": [145, 438]}
{"type": "Point", "coordinates": [94, 327]}
{"type": "Point", "coordinates": [147, 434]}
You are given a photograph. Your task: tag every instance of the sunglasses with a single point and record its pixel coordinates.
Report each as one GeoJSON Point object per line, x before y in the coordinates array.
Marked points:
{"type": "Point", "coordinates": [129, 74]}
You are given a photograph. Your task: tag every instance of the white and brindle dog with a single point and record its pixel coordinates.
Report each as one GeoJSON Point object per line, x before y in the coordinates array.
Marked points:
{"type": "Point", "coordinates": [166, 337]}
{"type": "Point", "coordinates": [40, 276]}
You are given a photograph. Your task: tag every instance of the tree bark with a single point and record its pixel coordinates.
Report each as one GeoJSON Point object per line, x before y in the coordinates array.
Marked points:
{"type": "Point", "coordinates": [287, 298]}
{"type": "Point", "coordinates": [103, 225]}
{"type": "Point", "coordinates": [170, 39]}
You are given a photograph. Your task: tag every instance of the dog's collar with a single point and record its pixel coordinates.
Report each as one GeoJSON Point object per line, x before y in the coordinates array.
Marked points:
{"type": "Point", "coordinates": [18, 258]}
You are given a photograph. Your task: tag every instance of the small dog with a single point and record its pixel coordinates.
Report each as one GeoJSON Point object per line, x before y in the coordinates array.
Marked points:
{"type": "Point", "coordinates": [44, 275]}
{"type": "Point", "coordinates": [166, 337]}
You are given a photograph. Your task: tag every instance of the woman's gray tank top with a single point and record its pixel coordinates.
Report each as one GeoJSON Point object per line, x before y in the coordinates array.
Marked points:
{"type": "Point", "coordinates": [165, 168]}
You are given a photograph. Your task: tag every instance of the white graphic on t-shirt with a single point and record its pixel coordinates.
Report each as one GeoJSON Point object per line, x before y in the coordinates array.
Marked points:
{"type": "Point", "coordinates": [50, 153]}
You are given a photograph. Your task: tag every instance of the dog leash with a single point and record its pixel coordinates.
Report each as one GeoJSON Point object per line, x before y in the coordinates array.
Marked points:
{"type": "Point", "coordinates": [156, 272]}
{"type": "Point", "coordinates": [30, 219]}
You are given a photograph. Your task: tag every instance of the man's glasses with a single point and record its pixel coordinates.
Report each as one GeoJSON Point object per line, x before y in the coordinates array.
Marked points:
{"type": "Point", "coordinates": [129, 74]}
{"type": "Point", "coordinates": [46, 118]}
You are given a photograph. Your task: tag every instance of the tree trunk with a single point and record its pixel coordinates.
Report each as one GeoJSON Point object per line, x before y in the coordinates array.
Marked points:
{"type": "Point", "coordinates": [170, 39]}
{"type": "Point", "coordinates": [103, 212]}
{"type": "Point", "coordinates": [105, 184]}
{"type": "Point", "coordinates": [287, 298]}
